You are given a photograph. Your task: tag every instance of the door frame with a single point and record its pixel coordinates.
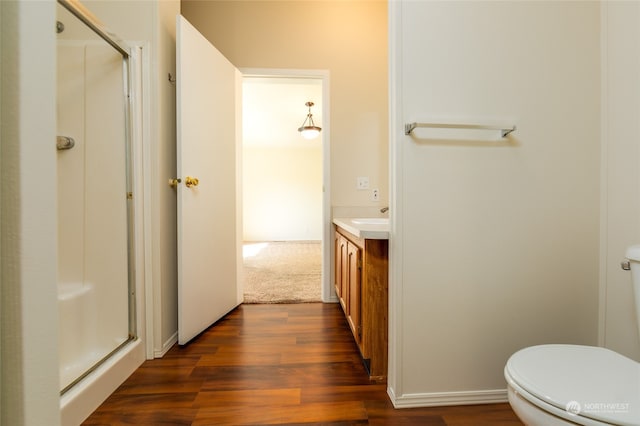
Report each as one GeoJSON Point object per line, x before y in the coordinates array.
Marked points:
{"type": "Point", "coordinates": [328, 293]}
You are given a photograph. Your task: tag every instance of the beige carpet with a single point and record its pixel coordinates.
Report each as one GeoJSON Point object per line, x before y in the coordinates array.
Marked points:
{"type": "Point", "coordinates": [282, 272]}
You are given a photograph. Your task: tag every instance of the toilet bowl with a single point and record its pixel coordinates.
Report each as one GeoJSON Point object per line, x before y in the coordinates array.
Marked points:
{"type": "Point", "coordinates": [571, 384]}
{"type": "Point", "coordinates": [552, 385]}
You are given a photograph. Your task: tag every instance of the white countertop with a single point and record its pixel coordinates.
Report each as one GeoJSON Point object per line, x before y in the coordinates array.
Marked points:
{"type": "Point", "coordinates": [368, 228]}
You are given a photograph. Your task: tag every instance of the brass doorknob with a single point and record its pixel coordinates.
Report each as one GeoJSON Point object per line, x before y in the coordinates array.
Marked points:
{"type": "Point", "coordinates": [191, 181]}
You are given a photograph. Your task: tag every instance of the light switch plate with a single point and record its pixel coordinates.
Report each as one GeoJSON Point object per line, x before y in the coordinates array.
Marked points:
{"type": "Point", "coordinates": [362, 182]}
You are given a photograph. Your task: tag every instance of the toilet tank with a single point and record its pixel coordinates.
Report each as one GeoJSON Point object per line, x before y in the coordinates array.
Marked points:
{"type": "Point", "coordinates": [633, 254]}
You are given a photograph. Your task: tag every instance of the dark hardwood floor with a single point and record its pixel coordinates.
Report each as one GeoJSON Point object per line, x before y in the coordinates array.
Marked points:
{"type": "Point", "coordinates": [272, 364]}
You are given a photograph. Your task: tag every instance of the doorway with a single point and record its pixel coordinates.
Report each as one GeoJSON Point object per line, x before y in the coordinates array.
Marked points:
{"type": "Point", "coordinates": [285, 197]}
{"type": "Point", "coordinates": [209, 182]}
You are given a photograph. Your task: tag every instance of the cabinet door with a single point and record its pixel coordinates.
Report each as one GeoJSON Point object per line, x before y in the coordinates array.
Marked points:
{"type": "Point", "coordinates": [337, 278]}
{"type": "Point", "coordinates": [344, 274]}
{"type": "Point", "coordinates": [353, 289]}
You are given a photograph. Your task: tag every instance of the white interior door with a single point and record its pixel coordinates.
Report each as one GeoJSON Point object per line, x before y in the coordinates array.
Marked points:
{"type": "Point", "coordinates": [207, 87]}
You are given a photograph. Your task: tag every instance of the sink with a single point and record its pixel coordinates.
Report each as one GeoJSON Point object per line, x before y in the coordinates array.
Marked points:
{"type": "Point", "coordinates": [369, 228]}
{"type": "Point", "coordinates": [371, 221]}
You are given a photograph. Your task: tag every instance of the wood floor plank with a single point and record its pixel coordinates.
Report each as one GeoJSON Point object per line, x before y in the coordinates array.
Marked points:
{"type": "Point", "coordinates": [272, 364]}
{"type": "Point", "coordinates": [313, 394]}
{"type": "Point", "coordinates": [293, 375]}
{"type": "Point", "coordinates": [318, 357]}
{"type": "Point", "coordinates": [134, 402]}
{"type": "Point", "coordinates": [246, 398]}
{"type": "Point", "coordinates": [143, 417]}
{"type": "Point", "coordinates": [282, 414]}
{"type": "Point", "coordinates": [154, 380]}
{"type": "Point", "coordinates": [239, 357]}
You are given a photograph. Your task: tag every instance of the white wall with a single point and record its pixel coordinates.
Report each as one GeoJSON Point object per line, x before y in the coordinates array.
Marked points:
{"type": "Point", "coordinates": [620, 173]}
{"type": "Point", "coordinates": [28, 302]}
{"type": "Point", "coordinates": [494, 245]}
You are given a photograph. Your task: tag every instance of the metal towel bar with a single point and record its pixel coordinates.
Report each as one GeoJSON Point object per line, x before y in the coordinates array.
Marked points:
{"type": "Point", "coordinates": [504, 130]}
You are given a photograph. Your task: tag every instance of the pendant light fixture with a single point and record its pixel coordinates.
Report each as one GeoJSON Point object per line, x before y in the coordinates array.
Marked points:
{"type": "Point", "coordinates": [309, 130]}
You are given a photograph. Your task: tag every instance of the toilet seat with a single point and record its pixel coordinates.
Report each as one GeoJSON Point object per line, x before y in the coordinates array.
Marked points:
{"type": "Point", "coordinates": [601, 385]}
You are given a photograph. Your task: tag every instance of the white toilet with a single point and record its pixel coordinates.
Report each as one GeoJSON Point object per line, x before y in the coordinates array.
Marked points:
{"type": "Point", "coordinates": [569, 384]}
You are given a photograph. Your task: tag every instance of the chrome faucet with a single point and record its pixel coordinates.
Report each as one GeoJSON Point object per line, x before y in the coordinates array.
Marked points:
{"type": "Point", "coordinates": [384, 209]}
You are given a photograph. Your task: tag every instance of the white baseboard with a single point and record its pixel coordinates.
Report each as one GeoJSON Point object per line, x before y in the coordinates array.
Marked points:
{"type": "Point", "coordinates": [434, 399]}
{"type": "Point", "coordinates": [166, 346]}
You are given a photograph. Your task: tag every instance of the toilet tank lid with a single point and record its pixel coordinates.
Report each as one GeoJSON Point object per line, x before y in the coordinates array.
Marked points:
{"type": "Point", "coordinates": [633, 253]}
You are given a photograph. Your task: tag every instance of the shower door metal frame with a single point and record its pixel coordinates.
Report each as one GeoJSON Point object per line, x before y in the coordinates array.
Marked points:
{"type": "Point", "coordinates": [85, 16]}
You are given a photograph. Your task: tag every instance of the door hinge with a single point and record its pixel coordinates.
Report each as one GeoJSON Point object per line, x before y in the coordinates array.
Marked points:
{"type": "Point", "coordinates": [359, 263]}
{"type": "Point", "coordinates": [129, 195]}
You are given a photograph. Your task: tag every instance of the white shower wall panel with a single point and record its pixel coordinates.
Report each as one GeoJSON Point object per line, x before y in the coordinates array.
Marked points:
{"type": "Point", "coordinates": [92, 198]}
{"type": "Point", "coordinates": [70, 107]}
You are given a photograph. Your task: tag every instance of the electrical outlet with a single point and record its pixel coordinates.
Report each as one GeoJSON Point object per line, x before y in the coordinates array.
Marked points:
{"type": "Point", "coordinates": [375, 195]}
{"type": "Point", "coordinates": [362, 182]}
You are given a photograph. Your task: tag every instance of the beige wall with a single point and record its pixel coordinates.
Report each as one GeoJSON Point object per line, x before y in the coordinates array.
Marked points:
{"type": "Point", "coordinates": [495, 246]}
{"type": "Point", "coordinates": [620, 173]}
{"type": "Point", "coordinates": [348, 38]}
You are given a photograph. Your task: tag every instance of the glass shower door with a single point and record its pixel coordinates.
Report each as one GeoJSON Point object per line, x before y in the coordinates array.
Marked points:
{"type": "Point", "coordinates": [94, 247]}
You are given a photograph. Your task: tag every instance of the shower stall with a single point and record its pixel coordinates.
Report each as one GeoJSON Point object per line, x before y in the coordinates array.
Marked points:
{"type": "Point", "coordinates": [96, 289]}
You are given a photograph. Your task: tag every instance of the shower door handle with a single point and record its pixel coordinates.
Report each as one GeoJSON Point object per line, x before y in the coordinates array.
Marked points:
{"type": "Point", "coordinates": [191, 181]}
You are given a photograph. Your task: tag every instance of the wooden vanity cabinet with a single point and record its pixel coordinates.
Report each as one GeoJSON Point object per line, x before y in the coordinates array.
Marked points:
{"type": "Point", "coordinates": [361, 282]}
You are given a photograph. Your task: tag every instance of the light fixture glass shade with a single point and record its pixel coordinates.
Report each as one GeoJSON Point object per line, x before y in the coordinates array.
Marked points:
{"type": "Point", "coordinates": [309, 130]}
